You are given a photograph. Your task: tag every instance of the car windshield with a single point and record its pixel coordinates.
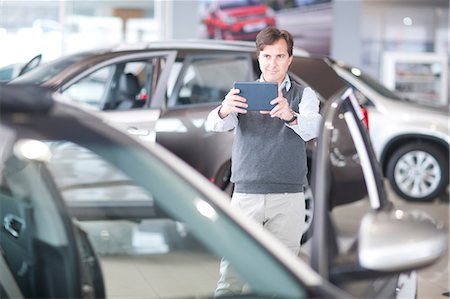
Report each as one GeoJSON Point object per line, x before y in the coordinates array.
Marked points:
{"type": "Point", "coordinates": [224, 4]}
{"type": "Point", "coordinates": [373, 83]}
{"type": "Point", "coordinates": [46, 71]}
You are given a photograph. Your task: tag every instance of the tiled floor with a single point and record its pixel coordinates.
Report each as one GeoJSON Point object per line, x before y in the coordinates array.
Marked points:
{"type": "Point", "coordinates": [433, 281]}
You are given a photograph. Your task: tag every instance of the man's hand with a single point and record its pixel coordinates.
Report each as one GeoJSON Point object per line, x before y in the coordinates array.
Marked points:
{"type": "Point", "coordinates": [281, 109]}
{"type": "Point", "coordinates": [233, 103]}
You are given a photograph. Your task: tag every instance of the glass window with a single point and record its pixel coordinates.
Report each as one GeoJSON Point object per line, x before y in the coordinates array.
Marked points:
{"type": "Point", "coordinates": [371, 82]}
{"type": "Point", "coordinates": [50, 69]}
{"type": "Point", "coordinates": [173, 75]}
{"type": "Point", "coordinates": [92, 89]}
{"type": "Point", "coordinates": [123, 86]}
{"type": "Point", "coordinates": [207, 80]}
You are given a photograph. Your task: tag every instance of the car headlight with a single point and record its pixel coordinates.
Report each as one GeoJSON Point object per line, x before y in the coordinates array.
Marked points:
{"type": "Point", "coordinates": [228, 19]}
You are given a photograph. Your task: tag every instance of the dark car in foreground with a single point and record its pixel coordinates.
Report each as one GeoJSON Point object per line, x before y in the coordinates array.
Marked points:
{"type": "Point", "coordinates": [116, 247]}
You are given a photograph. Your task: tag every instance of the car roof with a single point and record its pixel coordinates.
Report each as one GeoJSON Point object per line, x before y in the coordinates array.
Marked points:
{"type": "Point", "coordinates": [313, 71]}
{"type": "Point", "coordinates": [199, 44]}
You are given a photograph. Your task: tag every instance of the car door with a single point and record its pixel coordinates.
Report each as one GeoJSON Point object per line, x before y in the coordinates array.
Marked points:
{"type": "Point", "coordinates": [43, 254]}
{"type": "Point", "coordinates": [198, 84]}
{"type": "Point", "coordinates": [127, 91]}
{"type": "Point", "coordinates": [343, 144]}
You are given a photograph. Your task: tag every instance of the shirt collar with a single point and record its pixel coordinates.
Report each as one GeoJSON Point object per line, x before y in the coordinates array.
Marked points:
{"type": "Point", "coordinates": [285, 84]}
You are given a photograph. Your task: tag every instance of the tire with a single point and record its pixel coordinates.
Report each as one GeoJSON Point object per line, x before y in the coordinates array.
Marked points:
{"type": "Point", "coordinates": [309, 212]}
{"type": "Point", "coordinates": [418, 172]}
{"type": "Point", "coordinates": [222, 179]}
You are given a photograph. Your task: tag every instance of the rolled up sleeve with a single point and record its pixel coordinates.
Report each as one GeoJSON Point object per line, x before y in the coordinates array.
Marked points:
{"type": "Point", "coordinates": [308, 117]}
{"type": "Point", "coordinates": [216, 124]}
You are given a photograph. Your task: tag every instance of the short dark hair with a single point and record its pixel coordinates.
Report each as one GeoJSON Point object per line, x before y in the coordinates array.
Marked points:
{"type": "Point", "coordinates": [271, 35]}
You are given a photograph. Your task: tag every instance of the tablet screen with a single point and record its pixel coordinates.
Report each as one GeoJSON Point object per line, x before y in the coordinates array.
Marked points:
{"type": "Point", "coordinates": [258, 94]}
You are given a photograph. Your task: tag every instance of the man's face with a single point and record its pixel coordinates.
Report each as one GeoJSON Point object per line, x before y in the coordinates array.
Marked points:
{"type": "Point", "coordinates": [274, 61]}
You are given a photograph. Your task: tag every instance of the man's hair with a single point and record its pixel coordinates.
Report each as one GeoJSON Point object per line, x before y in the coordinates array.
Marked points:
{"type": "Point", "coordinates": [271, 35]}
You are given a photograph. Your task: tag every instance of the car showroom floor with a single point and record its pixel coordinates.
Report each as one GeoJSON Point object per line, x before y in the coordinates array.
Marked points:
{"type": "Point", "coordinates": [433, 281]}
{"type": "Point", "coordinates": [194, 273]}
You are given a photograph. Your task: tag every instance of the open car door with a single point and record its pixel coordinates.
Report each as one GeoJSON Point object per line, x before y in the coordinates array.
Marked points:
{"type": "Point", "coordinates": [367, 246]}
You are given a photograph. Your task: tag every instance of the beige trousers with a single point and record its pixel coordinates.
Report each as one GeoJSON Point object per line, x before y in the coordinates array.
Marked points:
{"type": "Point", "coordinates": [282, 214]}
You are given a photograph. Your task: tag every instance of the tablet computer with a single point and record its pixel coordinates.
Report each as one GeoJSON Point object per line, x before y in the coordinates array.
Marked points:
{"type": "Point", "coordinates": [258, 94]}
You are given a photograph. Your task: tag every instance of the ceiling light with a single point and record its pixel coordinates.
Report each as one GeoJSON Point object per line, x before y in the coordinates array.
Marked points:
{"type": "Point", "coordinates": [407, 21]}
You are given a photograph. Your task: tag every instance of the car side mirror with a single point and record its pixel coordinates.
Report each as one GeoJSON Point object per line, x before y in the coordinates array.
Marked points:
{"type": "Point", "coordinates": [391, 241]}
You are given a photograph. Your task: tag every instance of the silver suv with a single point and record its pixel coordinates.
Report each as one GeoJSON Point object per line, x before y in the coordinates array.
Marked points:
{"type": "Point", "coordinates": [410, 140]}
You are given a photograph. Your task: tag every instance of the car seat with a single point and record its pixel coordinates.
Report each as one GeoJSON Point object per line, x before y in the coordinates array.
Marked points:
{"type": "Point", "coordinates": [129, 88]}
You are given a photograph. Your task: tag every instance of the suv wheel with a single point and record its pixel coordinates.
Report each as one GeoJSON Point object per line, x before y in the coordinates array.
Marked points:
{"type": "Point", "coordinates": [309, 212]}
{"type": "Point", "coordinates": [222, 179]}
{"type": "Point", "coordinates": [418, 172]}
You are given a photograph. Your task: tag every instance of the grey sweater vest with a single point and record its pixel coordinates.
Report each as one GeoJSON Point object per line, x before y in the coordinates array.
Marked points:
{"type": "Point", "coordinates": [269, 157]}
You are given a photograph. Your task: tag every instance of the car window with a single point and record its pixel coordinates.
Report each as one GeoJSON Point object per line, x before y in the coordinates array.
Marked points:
{"type": "Point", "coordinates": [7, 72]}
{"type": "Point", "coordinates": [208, 79]}
{"type": "Point", "coordinates": [371, 82]}
{"type": "Point", "coordinates": [362, 98]}
{"type": "Point", "coordinates": [50, 69]}
{"type": "Point", "coordinates": [34, 238]}
{"type": "Point", "coordinates": [173, 75]}
{"type": "Point", "coordinates": [122, 86]}
{"type": "Point", "coordinates": [153, 235]}
{"type": "Point", "coordinates": [91, 90]}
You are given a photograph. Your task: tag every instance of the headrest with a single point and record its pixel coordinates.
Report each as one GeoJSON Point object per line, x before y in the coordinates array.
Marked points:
{"type": "Point", "coordinates": [129, 84]}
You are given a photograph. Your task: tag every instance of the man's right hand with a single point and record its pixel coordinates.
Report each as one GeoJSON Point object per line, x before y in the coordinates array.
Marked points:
{"type": "Point", "coordinates": [233, 103]}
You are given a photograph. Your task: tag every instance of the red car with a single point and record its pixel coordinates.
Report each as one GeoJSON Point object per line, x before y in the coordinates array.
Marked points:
{"type": "Point", "coordinates": [238, 19]}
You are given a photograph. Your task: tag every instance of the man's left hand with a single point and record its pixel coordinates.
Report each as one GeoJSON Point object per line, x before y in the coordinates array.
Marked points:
{"type": "Point", "coordinates": [282, 109]}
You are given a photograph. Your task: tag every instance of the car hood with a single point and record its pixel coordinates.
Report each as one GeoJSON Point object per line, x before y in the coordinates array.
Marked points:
{"type": "Point", "coordinates": [444, 110]}
{"type": "Point", "coordinates": [393, 106]}
{"type": "Point", "coordinates": [409, 118]}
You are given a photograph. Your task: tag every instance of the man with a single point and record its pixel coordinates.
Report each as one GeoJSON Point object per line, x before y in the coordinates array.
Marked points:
{"type": "Point", "coordinates": [269, 151]}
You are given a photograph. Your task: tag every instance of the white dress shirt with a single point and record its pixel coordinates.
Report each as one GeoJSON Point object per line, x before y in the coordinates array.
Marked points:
{"type": "Point", "coordinates": [308, 117]}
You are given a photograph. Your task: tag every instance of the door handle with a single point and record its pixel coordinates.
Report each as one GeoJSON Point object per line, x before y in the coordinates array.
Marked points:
{"type": "Point", "coordinates": [138, 132]}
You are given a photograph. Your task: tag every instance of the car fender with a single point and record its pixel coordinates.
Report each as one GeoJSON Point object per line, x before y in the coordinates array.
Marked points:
{"type": "Point", "coordinates": [385, 129]}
